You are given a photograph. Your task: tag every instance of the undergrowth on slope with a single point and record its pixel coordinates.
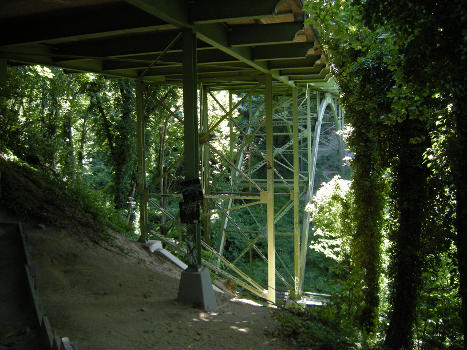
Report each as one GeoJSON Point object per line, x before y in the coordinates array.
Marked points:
{"type": "Point", "coordinates": [36, 194]}
{"type": "Point", "coordinates": [316, 328]}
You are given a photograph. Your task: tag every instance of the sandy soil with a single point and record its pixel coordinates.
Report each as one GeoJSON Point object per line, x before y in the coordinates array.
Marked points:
{"type": "Point", "coordinates": [105, 297]}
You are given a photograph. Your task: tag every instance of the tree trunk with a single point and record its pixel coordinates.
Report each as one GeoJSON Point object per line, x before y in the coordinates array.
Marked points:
{"type": "Point", "coordinates": [130, 204]}
{"type": "Point", "coordinates": [368, 212]}
{"type": "Point", "coordinates": [410, 193]}
{"type": "Point", "coordinates": [120, 143]}
{"type": "Point", "coordinates": [107, 126]}
{"type": "Point", "coordinates": [123, 147]}
{"type": "Point", "coordinates": [163, 183]}
{"type": "Point", "coordinates": [82, 139]}
{"type": "Point", "coordinates": [70, 154]}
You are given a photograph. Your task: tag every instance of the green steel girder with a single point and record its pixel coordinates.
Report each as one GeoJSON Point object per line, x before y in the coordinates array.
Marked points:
{"type": "Point", "coordinates": [123, 38]}
{"type": "Point", "coordinates": [173, 11]}
{"type": "Point", "coordinates": [121, 46]}
{"type": "Point", "coordinates": [169, 63]}
{"type": "Point", "coordinates": [296, 194]}
{"type": "Point", "coordinates": [170, 11]}
{"type": "Point", "coordinates": [309, 62]}
{"type": "Point", "coordinates": [258, 34]}
{"type": "Point", "coordinates": [281, 51]}
{"type": "Point", "coordinates": [257, 250]}
{"type": "Point", "coordinates": [270, 227]}
{"type": "Point", "coordinates": [102, 19]}
{"type": "Point", "coordinates": [190, 139]}
{"type": "Point", "coordinates": [276, 36]}
{"type": "Point", "coordinates": [204, 74]}
{"type": "Point", "coordinates": [278, 150]}
{"type": "Point", "coordinates": [209, 11]}
{"type": "Point", "coordinates": [216, 35]}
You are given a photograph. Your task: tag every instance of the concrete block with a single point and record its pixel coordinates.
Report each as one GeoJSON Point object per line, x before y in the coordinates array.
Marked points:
{"type": "Point", "coordinates": [154, 245]}
{"type": "Point", "coordinates": [68, 345]}
{"type": "Point", "coordinates": [196, 289]}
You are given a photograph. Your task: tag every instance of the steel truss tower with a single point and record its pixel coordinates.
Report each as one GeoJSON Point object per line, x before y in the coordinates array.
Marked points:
{"type": "Point", "coordinates": [263, 51]}
{"type": "Point", "coordinates": [270, 164]}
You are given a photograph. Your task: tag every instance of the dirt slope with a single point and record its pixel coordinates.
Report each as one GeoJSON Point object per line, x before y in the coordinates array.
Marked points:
{"type": "Point", "coordinates": [106, 292]}
{"type": "Point", "coordinates": [120, 296]}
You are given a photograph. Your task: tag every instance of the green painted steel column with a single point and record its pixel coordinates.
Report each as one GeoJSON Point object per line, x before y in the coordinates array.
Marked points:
{"type": "Point", "coordinates": [231, 137]}
{"type": "Point", "coordinates": [296, 194]}
{"type": "Point", "coordinates": [321, 107]}
{"type": "Point", "coordinates": [306, 217]}
{"type": "Point", "coordinates": [190, 138]}
{"type": "Point", "coordinates": [141, 161]}
{"type": "Point", "coordinates": [270, 191]}
{"type": "Point", "coordinates": [195, 288]}
{"type": "Point", "coordinates": [250, 123]}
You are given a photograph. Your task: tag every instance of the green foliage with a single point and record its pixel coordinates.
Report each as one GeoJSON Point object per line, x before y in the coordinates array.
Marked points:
{"type": "Point", "coordinates": [81, 129]}
{"type": "Point", "coordinates": [329, 208]}
{"type": "Point", "coordinates": [32, 105]}
{"type": "Point", "coordinates": [407, 114]}
{"type": "Point", "coordinates": [439, 322]}
{"type": "Point", "coordinates": [336, 238]}
{"type": "Point", "coordinates": [36, 195]}
{"type": "Point", "coordinates": [316, 328]}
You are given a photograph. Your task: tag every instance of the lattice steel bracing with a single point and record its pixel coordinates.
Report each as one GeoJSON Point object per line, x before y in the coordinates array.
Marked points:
{"type": "Point", "coordinates": [257, 48]}
{"type": "Point", "coordinates": [246, 196]}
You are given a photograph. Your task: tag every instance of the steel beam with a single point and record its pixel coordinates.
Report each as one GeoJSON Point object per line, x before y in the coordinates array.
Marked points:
{"type": "Point", "coordinates": [296, 195]}
{"type": "Point", "coordinates": [170, 11]}
{"type": "Point", "coordinates": [190, 138]}
{"type": "Point", "coordinates": [306, 216]}
{"type": "Point", "coordinates": [258, 34]}
{"type": "Point", "coordinates": [214, 34]}
{"type": "Point", "coordinates": [270, 190]}
{"type": "Point", "coordinates": [103, 19]}
{"type": "Point", "coordinates": [235, 169]}
{"type": "Point", "coordinates": [195, 283]}
{"type": "Point", "coordinates": [281, 51]}
{"type": "Point", "coordinates": [235, 172]}
{"type": "Point", "coordinates": [130, 45]}
{"type": "Point", "coordinates": [229, 113]}
{"type": "Point", "coordinates": [321, 107]}
{"type": "Point", "coordinates": [208, 11]}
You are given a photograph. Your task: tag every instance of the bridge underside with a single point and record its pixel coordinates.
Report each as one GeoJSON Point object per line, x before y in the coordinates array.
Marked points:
{"type": "Point", "coordinates": [250, 48]}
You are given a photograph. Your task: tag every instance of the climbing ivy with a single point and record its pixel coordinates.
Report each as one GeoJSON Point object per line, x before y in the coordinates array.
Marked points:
{"type": "Point", "coordinates": [390, 59]}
